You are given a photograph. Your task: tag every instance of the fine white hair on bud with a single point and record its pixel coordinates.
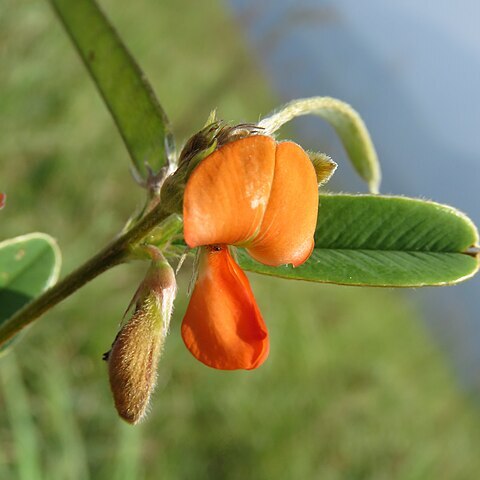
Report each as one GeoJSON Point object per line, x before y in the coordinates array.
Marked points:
{"type": "Point", "coordinates": [133, 359]}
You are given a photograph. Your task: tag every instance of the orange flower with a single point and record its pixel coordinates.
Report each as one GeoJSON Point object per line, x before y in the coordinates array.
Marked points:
{"type": "Point", "coordinates": [256, 194]}
{"type": "Point", "coordinates": [2, 200]}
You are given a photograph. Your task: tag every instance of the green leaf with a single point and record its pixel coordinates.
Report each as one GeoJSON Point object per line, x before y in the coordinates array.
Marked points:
{"type": "Point", "coordinates": [29, 264]}
{"type": "Point", "coordinates": [139, 117]}
{"type": "Point", "coordinates": [385, 241]}
{"type": "Point", "coordinates": [347, 123]}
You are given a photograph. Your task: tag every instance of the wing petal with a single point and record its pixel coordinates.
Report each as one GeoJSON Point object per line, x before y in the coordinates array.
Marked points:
{"type": "Point", "coordinates": [286, 233]}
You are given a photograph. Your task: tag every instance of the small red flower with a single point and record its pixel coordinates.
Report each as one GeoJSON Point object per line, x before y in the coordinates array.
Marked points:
{"type": "Point", "coordinates": [256, 194]}
{"type": "Point", "coordinates": [2, 199]}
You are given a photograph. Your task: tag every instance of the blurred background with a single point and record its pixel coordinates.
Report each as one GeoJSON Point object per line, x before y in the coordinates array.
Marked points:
{"type": "Point", "coordinates": [360, 383]}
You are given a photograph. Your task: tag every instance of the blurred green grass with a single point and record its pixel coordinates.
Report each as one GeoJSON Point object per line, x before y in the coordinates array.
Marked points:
{"type": "Point", "coordinates": [353, 388]}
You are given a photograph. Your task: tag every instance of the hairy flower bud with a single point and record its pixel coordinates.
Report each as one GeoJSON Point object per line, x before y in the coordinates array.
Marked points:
{"type": "Point", "coordinates": [133, 359]}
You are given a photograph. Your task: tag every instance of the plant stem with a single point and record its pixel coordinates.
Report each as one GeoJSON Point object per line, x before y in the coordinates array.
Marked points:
{"type": "Point", "coordinates": [113, 254]}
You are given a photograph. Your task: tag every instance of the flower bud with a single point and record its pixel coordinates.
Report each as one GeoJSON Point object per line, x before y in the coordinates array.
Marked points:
{"type": "Point", "coordinates": [133, 359]}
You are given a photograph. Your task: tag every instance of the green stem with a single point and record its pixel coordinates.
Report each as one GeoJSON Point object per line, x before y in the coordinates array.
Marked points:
{"type": "Point", "coordinates": [113, 254]}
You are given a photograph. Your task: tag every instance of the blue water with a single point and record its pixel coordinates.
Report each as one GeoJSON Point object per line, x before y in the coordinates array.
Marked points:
{"type": "Point", "coordinates": [412, 69]}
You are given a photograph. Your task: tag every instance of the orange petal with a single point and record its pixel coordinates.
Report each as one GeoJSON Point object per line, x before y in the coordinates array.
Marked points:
{"type": "Point", "coordinates": [286, 233]}
{"type": "Point", "coordinates": [2, 200]}
{"type": "Point", "coordinates": [226, 195]}
{"type": "Point", "coordinates": [223, 327]}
